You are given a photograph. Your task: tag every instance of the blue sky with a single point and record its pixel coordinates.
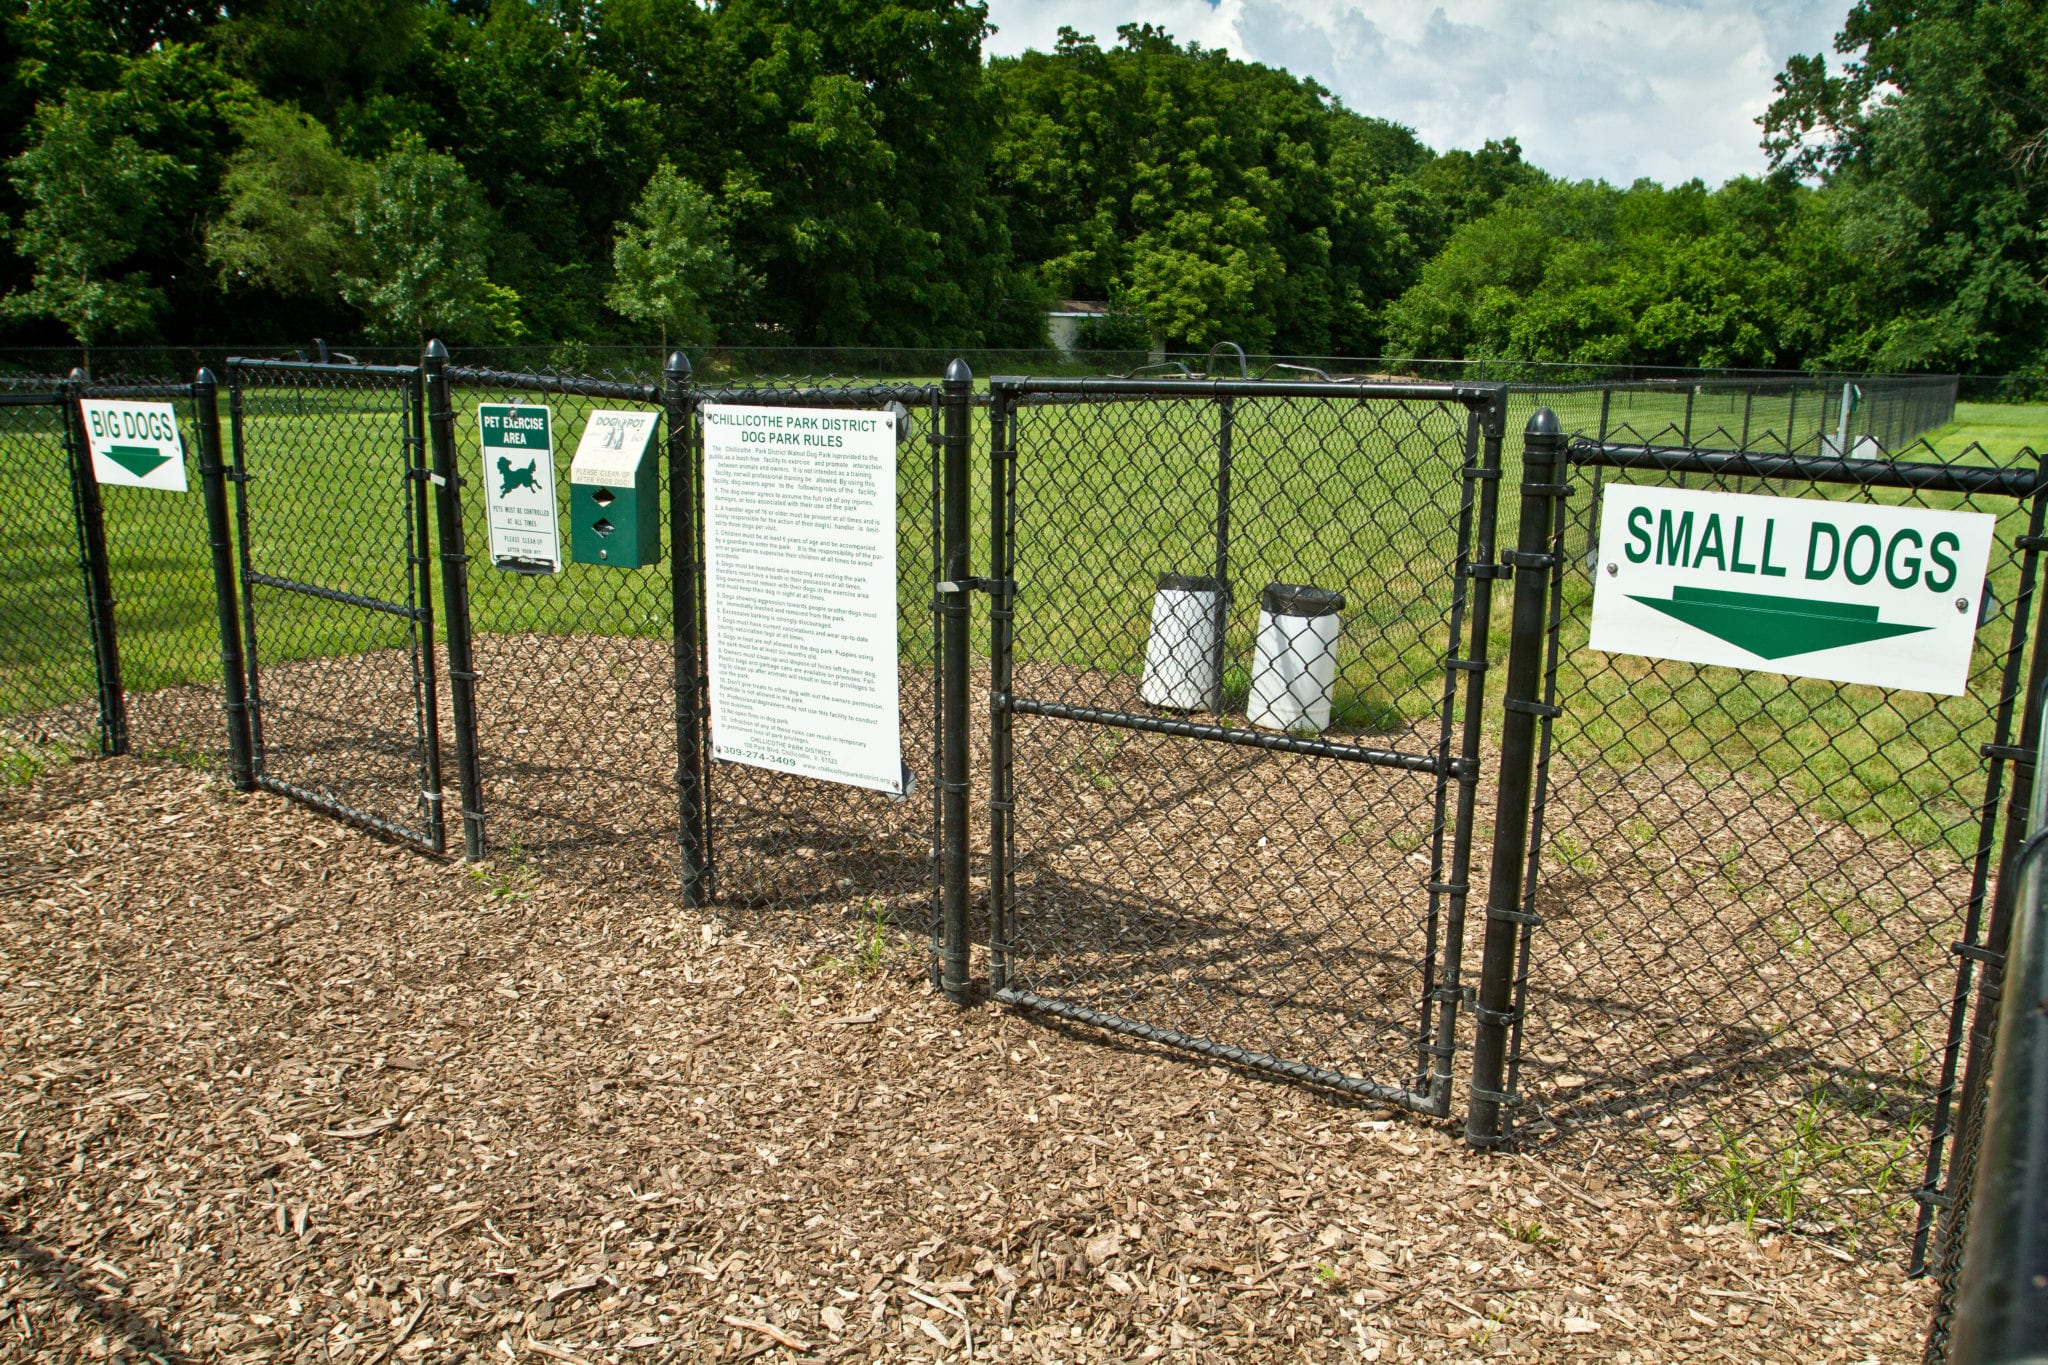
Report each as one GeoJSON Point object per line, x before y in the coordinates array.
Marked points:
{"type": "Point", "coordinates": [1607, 89]}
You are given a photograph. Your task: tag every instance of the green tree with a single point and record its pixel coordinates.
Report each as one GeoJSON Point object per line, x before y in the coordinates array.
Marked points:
{"type": "Point", "coordinates": [1219, 198]}
{"type": "Point", "coordinates": [671, 263]}
{"type": "Point", "coordinates": [94, 198]}
{"type": "Point", "coordinates": [425, 236]}
{"type": "Point", "coordinates": [1931, 136]}
{"type": "Point", "coordinates": [289, 196]}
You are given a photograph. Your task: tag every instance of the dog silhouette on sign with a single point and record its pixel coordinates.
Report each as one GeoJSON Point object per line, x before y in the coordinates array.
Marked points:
{"type": "Point", "coordinates": [517, 478]}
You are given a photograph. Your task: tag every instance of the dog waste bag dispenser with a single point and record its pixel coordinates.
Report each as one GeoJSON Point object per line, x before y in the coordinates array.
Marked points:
{"type": "Point", "coordinates": [1295, 668]}
{"type": "Point", "coordinates": [614, 492]}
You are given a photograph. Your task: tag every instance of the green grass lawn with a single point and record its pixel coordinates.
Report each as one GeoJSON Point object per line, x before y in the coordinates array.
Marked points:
{"type": "Point", "coordinates": [1995, 426]}
{"type": "Point", "coordinates": [1362, 498]}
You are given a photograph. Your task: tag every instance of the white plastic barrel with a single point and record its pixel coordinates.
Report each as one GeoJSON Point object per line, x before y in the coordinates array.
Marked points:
{"type": "Point", "coordinates": [1181, 654]}
{"type": "Point", "coordinates": [1294, 664]}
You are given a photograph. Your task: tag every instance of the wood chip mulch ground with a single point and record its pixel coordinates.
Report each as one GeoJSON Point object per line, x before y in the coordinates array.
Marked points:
{"type": "Point", "coordinates": [277, 1091]}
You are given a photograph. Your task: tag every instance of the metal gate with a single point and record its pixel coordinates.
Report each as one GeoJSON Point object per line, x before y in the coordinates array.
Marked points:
{"type": "Point", "coordinates": [1238, 660]}
{"type": "Point", "coordinates": [330, 491]}
{"type": "Point", "coordinates": [1746, 929]}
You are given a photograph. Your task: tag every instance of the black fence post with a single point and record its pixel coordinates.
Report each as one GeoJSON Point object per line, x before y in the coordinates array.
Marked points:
{"type": "Point", "coordinates": [1002, 464]}
{"type": "Point", "coordinates": [1997, 1280]}
{"type": "Point", "coordinates": [692, 790]}
{"type": "Point", "coordinates": [99, 583]}
{"type": "Point", "coordinates": [455, 597]}
{"type": "Point", "coordinates": [955, 411]}
{"type": "Point", "coordinates": [213, 485]}
{"type": "Point", "coordinates": [1542, 464]}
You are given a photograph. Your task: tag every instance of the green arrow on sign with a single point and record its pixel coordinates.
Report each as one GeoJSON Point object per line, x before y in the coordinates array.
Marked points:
{"type": "Point", "coordinates": [137, 460]}
{"type": "Point", "coordinates": [1776, 627]}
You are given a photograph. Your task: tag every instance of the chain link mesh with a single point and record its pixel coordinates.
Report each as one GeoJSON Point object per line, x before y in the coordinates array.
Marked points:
{"type": "Point", "coordinates": [1749, 888]}
{"type": "Point", "coordinates": [331, 523]}
{"type": "Point", "coordinates": [779, 842]}
{"type": "Point", "coordinates": [575, 689]}
{"type": "Point", "coordinates": [1241, 841]}
{"type": "Point", "coordinates": [166, 620]}
{"type": "Point", "coordinates": [49, 687]}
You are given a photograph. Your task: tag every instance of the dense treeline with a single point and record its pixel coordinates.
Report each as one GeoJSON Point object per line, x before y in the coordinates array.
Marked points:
{"type": "Point", "coordinates": [834, 172]}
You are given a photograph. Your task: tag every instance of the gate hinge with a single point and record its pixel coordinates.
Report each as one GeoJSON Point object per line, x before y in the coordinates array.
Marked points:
{"type": "Point", "coordinates": [1532, 708]}
{"type": "Point", "coordinates": [1479, 570]}
{"type": "Point", "coordinates": [1479, 471]}
{"type": "Point", "coordinates": [1927, 1197]}
{"type": "Point", "coordinates": [2031, 543]}
{"type": "Point", "coordinates": [1513, 916]}
{"type": "Point", "coordinates": [1977, 952]}
{"type": "Point", "coordinates": [994, 587]}
{"type": "Point", "coordinates": [2011, 753]}
{"type": "Point", "coordinates": [1519, 559]}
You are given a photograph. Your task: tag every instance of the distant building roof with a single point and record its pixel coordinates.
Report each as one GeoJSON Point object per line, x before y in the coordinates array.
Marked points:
{"type": "Point", "coordinates": [1081, 308]}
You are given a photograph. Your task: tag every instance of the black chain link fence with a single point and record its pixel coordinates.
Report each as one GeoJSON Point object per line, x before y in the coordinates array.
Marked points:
{"type": "Point", "coordinates": [336, 583]}
{"type": "Point", "coordinates": [166, 618]}
{"type": "Point", "coordinates": [1990, 1256]}
{"type": "Point", "coordinates": [1237, 728]}
{"type": "Point", "coordinates": [49, 685]}
{"type": "Point", "coordinates": [575, 668]}
{"type": "Point", "coordinates": [1754, 901]}
{"type": "Point", "coordinates": [1236, 745]}
{"type": "Point", "coordinates": [776, 842]}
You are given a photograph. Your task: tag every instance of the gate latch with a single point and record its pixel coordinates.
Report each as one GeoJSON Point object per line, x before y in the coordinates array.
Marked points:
{"type": "Point", "coordinates": [991, 586]}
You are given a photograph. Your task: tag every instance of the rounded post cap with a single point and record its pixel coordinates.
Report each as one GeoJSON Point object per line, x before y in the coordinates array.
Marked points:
{"type": "Point", "coordinates": [77, 375]}
{"type": "Point", "coordinates": [957, 371]}
{"type": "Point", "coordinates": [1543, 422]}
{"type": "Point", "coordinates": [205, 376]}
{"type": "Point", "coordinates": [677, 366]}
{"type": "Point", "coordinates": [436, 351]}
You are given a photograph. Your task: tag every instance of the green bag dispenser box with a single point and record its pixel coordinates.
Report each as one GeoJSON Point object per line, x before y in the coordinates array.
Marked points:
{"type": "Point", "coordinates": [613, 489]}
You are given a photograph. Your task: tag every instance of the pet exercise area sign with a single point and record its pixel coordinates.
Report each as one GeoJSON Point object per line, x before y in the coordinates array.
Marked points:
{"type": "Point", "coordinates": [519, 485]}
{"type": "Point", "coordinates": [134, 445]}
{"type": "Point", "coordinates": [1848, 592]}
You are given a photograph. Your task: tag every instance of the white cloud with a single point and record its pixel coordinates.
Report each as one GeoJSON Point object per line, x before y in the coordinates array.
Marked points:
{"type": "Point", "coordinates": [1611, 89]}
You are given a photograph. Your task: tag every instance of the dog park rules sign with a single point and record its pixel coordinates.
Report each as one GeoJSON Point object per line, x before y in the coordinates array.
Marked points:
{"type": "Point", "coordinates": [800, 592]}
{"type": "Point", "coordinates": [519, 485]}
{"type": "Point", "coordinates": [134, 444]}
{"type": "Point", "coordinates": [1848, 592]}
